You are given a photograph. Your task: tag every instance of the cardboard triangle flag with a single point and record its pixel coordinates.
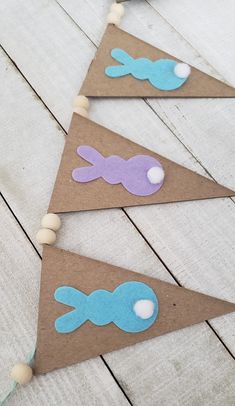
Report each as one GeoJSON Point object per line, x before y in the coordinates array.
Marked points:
{"type": "Point", "coordinates": [100, 169]}
{"type": "Point", "coordinates": [109, 319]}
{"type": "Point", "coordinates": [116, 72]}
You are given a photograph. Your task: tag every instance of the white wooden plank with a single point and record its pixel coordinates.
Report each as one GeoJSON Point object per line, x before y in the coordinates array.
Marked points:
{"type": "Point", "coordinates": [64, 56]}
{"type": "Point", "coordinates": [164, 374]}
{"type": "Point", "coordinates": [207, 26]}
{"type": "Point", "coordinates": [87, 383]}
{"type": "Point", "coordinates": [206, 128]}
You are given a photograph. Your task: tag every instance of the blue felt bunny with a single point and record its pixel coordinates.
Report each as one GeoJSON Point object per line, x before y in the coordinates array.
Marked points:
{"type": "Point", "coordinates": [132, 306]}
{"type": "Point", "coordinates": [164, 74]}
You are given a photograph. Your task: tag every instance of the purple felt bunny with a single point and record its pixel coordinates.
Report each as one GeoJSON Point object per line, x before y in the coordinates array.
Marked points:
{"type": "Point", "coordinates": [141, 175]}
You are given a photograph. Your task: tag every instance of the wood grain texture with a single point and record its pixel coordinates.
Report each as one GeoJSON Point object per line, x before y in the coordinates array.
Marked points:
{"type": "Point", "coordinates": [200, 24]}
{"type": "Point", "coordinates": [190, 367]}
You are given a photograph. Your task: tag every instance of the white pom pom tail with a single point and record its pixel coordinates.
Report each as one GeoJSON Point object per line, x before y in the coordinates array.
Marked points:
{"type": "Point", "coordinates": [182, 70]}
{"type": "Point", "coordinates": [144, 309]}
{"type": "Point", "coordinates": [155, 175]}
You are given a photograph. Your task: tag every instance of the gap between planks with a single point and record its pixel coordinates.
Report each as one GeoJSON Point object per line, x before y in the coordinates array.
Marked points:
{"type": "Point", "coordinates": [187, 42]}
{"type": "Point", "coordinates": [181, 142]}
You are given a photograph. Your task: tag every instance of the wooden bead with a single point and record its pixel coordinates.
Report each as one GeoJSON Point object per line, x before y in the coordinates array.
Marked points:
{"type": "Point", "coordinates": [46, 236]}
{"type": "Point", "coordinates": [81, 111]}
{"type": "Point", "coordinates": [117, 9]}
{"type": "Point", "coordinates": [51, 221]}
{"type": "Point", "coordinates": [22, 373]}
{"type": "Point", "coordinates": [81, 101]}
{"type": "Point", "coordinates": [113, 18]}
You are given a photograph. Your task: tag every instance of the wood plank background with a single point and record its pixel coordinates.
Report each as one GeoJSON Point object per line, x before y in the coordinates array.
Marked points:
{"type": "Point", "coordinates": [46, 48]}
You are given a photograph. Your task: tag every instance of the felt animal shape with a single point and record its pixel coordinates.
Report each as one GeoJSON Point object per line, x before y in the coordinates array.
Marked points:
{"type": "Point", "coordinates": [164, 74]}
{"type": "Point", "coordinates": [141, 175]}
{"type": "Point", "coordinates": [132, 306]}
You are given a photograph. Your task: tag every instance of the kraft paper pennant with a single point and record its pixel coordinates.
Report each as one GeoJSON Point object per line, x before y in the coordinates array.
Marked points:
{"type": "Point", "coordinates": [88, 308]}
{"type": "Point", "coordinates": [125, 66]}
{"type": "Point", "coordinates": [101, 169]}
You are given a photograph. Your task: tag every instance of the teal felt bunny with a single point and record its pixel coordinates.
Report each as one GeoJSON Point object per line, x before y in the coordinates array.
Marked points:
{"type": "Point", "coordinates": [132, 306]}
{"type": "Point", "coordinates": [164, 74]}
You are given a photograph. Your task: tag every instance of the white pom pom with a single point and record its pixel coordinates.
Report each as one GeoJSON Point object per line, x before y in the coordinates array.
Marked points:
{"type": "Point", "coordinates": [51, 221]}
{"type": "Point", "coordinates": [21, 373]}
{"type": "Point", "coordinates": [155, 175]}
{"type": "Point", "coordinates": [182, 70]}
{"type": "Point", "coordinates": [144, 309]}
{"type": "Point", "coordinates": [81, 101]}
{"type": "Point", "coordinates": [45, 236]}
{"type": "Point", "coordinates": [117, 9]}
{"type": "Point", "coordinates": [81, 111]}
{"type": "Point", "coordinates": [113, 18]}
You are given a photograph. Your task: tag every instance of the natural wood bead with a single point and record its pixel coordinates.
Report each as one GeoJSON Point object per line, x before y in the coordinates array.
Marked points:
{"type": "Point", "coordinates": [46, 236]}
{"type": "Point", "coordinates": [51, 221]}
{"type": "Point", "coordinates": [117, 9]}
{"type": "Point", "coordinates": [113, 18]}
{"type": "Point", "coordinates": [81, 111]}
{"type": "Point", "coordinates": [81, 101]}
{"type": "Point", "coordinates": [22, 373]}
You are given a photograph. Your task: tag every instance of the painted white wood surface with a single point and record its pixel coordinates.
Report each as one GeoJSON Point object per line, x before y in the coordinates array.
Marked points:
{"type": "Point", "coordinates": [195, 240]}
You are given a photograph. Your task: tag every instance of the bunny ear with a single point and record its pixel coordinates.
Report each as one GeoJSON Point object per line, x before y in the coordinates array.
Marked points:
{"type": "Point", "coordinates": [85, 174]}
{"type": "Point", "coordinates": [69, 321]}
{"type": "Point", "coordinates": [69, 296]}
{"type": "Point", "coordinates": [89, 154]}
{"type": "Point", "coordinates": [121, 56]}
{"type": "Point", "coordinates": [117, 71]}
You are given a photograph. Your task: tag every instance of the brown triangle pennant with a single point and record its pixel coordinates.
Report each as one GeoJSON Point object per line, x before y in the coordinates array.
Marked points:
{"type": "Point", "coordinates": [126, 82]}
{"type": "Point", "coordinates": [71, 194]}
{"type": "Point", "coordinates": [177, 308]}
